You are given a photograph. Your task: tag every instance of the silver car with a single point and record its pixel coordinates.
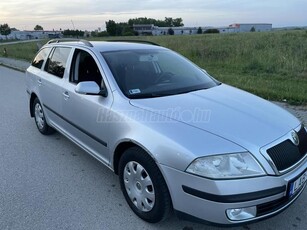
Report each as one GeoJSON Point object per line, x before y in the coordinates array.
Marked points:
{"type": "Point", "coordinates": [178, 139]}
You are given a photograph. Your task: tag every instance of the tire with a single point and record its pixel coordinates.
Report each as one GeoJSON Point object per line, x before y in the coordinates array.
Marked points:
{"type": "Point", "coordinates": [143, 186]}
{"type": "Point", "coordinates": [40, 120]}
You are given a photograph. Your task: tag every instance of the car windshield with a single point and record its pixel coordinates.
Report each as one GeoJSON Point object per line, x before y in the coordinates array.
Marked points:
{"type": "Point", "coordinates": [155, 73]}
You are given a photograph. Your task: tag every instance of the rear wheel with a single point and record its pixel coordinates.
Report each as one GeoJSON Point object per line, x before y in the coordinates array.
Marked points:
{"type": "Point", "coordinates": [143, 186]}
{"type": "Point", "coordinates": [39, 118]}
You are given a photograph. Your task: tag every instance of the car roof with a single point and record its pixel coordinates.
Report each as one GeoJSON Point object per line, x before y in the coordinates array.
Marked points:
{"type": "Point", "coordinates": [107, 46]}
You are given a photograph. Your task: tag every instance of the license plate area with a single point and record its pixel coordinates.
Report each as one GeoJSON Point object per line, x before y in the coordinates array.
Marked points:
{"type": "Point", "coordinates": [296, 184]}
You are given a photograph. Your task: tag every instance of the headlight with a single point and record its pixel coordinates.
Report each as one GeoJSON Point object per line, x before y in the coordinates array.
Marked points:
{"type": "Point", "coordinates": [226, 166]}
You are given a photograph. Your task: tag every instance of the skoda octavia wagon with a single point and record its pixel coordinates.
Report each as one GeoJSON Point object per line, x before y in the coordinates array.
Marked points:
{"type": "Point", "coordinates": [178, 139]}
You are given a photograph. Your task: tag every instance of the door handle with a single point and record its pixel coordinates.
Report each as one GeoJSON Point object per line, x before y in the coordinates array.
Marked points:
{"type": "Point", "coordinates": [66, 95]}
{"type": "Point", "coordinates": [39, 82]}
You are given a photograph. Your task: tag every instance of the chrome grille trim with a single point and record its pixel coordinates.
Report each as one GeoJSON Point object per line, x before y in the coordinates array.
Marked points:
{"type": "Point", "coordinates": [284, 138]}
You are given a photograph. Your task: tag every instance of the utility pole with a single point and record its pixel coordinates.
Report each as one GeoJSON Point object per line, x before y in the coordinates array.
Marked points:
{"type": "Point", "coordinates": [73, 25]}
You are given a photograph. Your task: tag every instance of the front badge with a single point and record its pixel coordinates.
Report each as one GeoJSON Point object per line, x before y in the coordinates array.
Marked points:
{"type": "Point", "coordinates": [295, 138]}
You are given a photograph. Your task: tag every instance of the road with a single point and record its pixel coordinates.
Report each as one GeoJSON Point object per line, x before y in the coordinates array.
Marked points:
{"type": "Point", "coordinates": [46, 182]}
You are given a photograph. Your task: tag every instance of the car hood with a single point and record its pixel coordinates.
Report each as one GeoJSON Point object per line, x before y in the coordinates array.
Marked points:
{"type": "Point", "coordinates": [227, 112]}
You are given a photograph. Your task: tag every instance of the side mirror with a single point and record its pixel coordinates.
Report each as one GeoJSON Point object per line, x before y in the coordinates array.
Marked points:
{"type": "Point", "coordinates": [103, 92]}
{"type": "Point", "coordinates": [204, 71]}
{"type": "Point", "coordinates": [87, 87]}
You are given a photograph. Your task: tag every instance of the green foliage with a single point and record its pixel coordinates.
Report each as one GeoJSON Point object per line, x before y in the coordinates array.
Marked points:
{"type": "Point", "coordinates": [146, 21]}
{"type": "Point", "coordinates": [212, 31]}
{"type": "Point", "coordinates": [100, 34]}
{"type": "Point", "coordinates": [5, 29]}
{"type": "Point", "coordinates": [270, 64]}
{"type": "Point", "coordinates": [119, 29]}
{"type": "Point", "coordinates": [111, 27]}
{"type": "Point", "coordinates": [199, 30]}
{"type": "Point", "coordinates": [128, 33]}
{"type": "Point", "coordinates": [167, 22]}
{"type": "Point", "coordinates": [177, 22]}
{"type": "Point", "coordinates": [73, 33]}
{"type": "Point", "coordinates": [170, 31]}
{"type": "Point", "coordinates": [126, 28]}
{"type": "Point", "coordinates": [253, 29]}
{"type": "Point", "coordinates": [38, 27]}
{"type": "Point", "coordinates": [22, 51]}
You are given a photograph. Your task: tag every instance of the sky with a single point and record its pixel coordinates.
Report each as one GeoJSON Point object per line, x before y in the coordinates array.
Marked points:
{"type": "Point", "coordinates": [92, 14]}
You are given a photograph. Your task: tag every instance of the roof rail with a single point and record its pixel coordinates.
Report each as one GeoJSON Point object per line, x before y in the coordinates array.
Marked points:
{"type": "Point", "coordinates": [85, 42]}
{"type": "Point", "coordinates": [134, 41]}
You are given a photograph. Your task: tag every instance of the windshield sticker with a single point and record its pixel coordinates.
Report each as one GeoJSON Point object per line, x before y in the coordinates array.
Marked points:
{"type": "Point", "coordinates": [148, 58]}
{"type": "Point", "coordinates": [134, 91]}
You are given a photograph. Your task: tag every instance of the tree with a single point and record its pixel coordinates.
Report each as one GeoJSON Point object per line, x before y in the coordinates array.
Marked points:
{"type": "Point", "coordinates": [5, 29]}
{"type": "Point", "coordinates": [38, 27]}
{"type": "Point", "coordinates": [253, 29]}
{"type": "Point", "coordinates": [111, 27]}
{"type": "Point", "coordinates": [199, 31]}
{"type": "Point", "coordinates": [73, 33]}
{"type": "Point", "coordinates": [119, 29]}
{"type": "Point", "coordinates": [167, 22]}
{"type": "Point", "coordinates": [124, 29]}
{"type": "Point", "coordinates": [178, 22]}
{"type": "Point", "coordinates": [145, 20]}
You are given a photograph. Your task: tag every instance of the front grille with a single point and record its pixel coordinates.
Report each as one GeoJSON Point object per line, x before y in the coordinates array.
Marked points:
{"type": "Point", "coordinates": [275, 205]}
{"type": "Point", "coordinates": [286, 154]}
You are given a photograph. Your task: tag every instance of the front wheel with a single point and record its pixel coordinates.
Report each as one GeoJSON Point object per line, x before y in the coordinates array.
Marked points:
{"type": "Point", "coordinates": [143, 186]}
{"type": "Point", "coordinates": [40, 119]}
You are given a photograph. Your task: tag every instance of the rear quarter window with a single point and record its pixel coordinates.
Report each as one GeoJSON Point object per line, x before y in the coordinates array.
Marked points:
{"type": "Point", "coordinates": [40, 58]}
{"type": "Point", "coordinates": [57, 60]}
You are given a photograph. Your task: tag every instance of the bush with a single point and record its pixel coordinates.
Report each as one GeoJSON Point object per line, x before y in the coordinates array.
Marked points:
{"type": "Point", "coordinates": [170, 31]}
{"type": "Point", "coordinates": [212, 31]}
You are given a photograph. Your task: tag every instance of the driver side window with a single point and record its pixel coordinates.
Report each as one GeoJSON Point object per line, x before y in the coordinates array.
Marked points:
{"type": "Point", "coordinates": [84, 68]}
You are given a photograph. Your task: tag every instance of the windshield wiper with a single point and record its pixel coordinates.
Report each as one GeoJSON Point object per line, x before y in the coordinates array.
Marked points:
{"type": "Point", "coordinates": [167, 93]}
{"type": "Point", "coordinates": [149, 95]}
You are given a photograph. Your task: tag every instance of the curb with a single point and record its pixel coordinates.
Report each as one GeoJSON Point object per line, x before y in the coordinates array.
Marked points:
{"type": "Point", "coordinates": [18, 65]}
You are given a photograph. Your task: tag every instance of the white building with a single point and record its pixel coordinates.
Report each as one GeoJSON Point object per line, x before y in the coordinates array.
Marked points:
{"type": "Point", "coordinates": [151, 29]}
{"type": "Point", "coordinates": [144, 29]}
{"type": "Point", "coordinates": [177, 30]}
{"type": "Point", "coordinates": [248, 27]}
{"type": "Point", "coordinates": [224, 30]}
{"type": "Point", "coordinates": [32, 34]}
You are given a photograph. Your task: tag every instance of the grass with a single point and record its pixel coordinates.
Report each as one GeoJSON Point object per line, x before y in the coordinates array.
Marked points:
{"type": "Point", "coordinates": [272, 65]}
{"type": "Point", "coordinates": [21, 51]}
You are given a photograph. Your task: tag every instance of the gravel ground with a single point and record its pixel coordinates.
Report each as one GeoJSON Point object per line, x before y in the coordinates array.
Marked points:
{"type": "Point", "coordinates": [298, 111]}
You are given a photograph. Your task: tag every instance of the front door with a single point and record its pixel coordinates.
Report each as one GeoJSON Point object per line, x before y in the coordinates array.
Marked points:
{"type": "Point", "coordinates": [83, 113]}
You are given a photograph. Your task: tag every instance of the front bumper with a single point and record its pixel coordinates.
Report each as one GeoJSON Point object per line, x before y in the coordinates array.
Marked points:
{"type": "Point", "coordinates": [209, 200]}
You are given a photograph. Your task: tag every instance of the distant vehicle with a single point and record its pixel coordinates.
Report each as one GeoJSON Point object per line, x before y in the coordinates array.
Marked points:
{"type": "Point", "coordinates": [178, 139]}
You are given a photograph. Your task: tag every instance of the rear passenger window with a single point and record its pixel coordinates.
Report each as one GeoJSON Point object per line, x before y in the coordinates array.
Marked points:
{"type": "Point", "coordinates": [40, 58]}
{"type": "Point", "coordinates": [56, 62]}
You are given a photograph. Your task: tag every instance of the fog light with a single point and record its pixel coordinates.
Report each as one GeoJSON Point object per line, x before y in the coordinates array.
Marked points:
{"type": "Point", "coordinates": [241, 213]}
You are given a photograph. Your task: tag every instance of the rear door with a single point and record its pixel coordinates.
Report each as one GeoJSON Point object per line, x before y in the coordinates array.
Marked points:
{"type": "Point", "coordinates": [50, 83]}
